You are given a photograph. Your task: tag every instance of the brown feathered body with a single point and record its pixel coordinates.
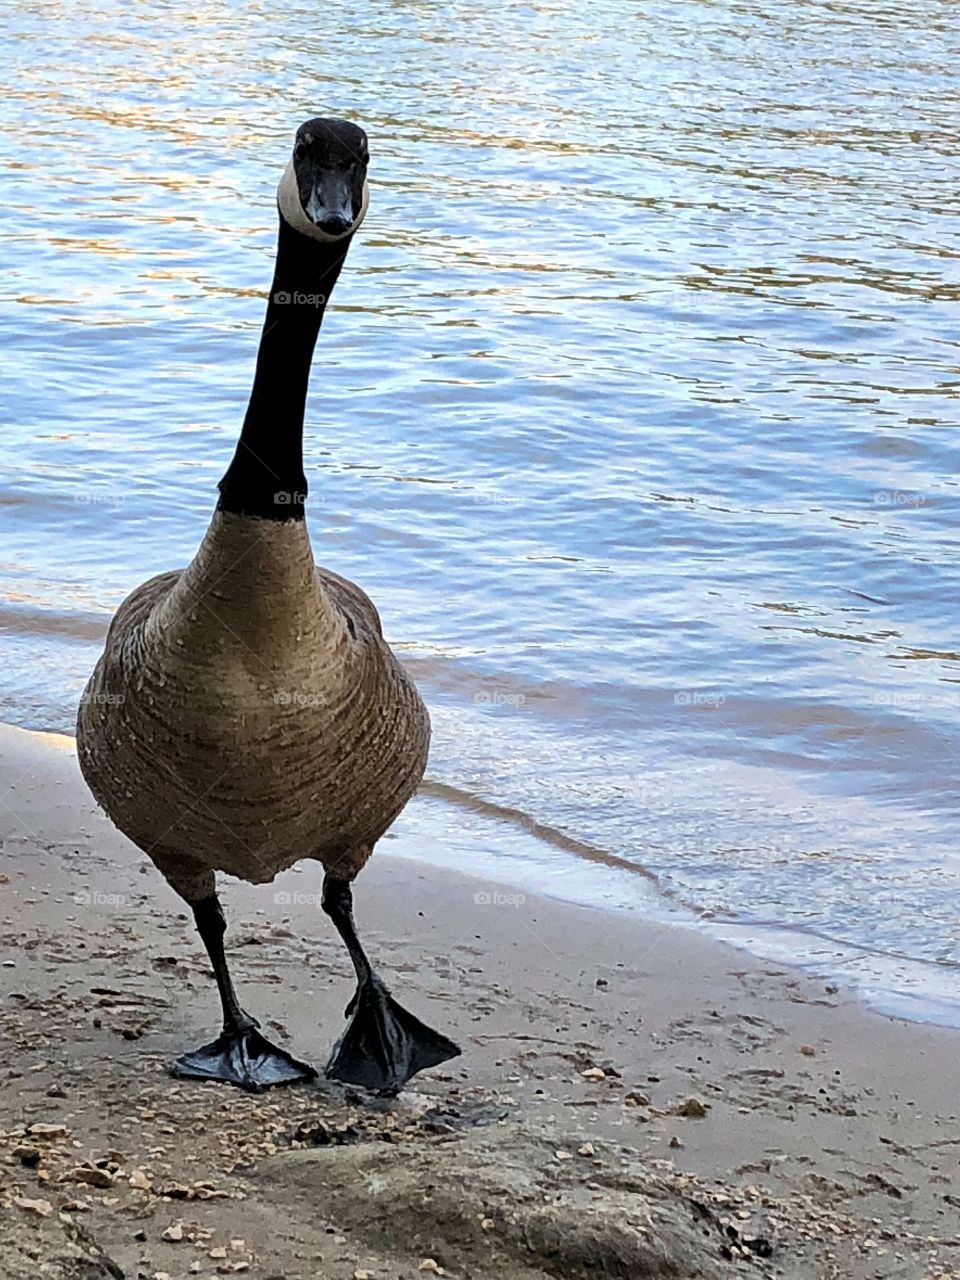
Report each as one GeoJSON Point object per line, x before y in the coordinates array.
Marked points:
{"type": "Point", "coordinates": [247, 713]}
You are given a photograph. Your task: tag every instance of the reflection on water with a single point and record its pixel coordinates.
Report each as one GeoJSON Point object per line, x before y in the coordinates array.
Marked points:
{"type": "Point", "coordinates": [636, 412]}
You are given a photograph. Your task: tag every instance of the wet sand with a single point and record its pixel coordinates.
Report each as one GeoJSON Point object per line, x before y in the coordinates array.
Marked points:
{"type": "Point", "coordinates": [632, 1098]}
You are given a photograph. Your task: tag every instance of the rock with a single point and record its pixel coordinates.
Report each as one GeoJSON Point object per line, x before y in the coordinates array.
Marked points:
{"type": "Point", "coordinates": [48, 1130]}
{"type": "Point", "coordinates": [676, 1142]}
{"type": "Point", "coordinates": [175, 1233]}
{"type": "Point", "coordinates": [139, 1180]}
{"type": "Point", "coordinates": [424, 1193]}
{"type": "Point", "coordinates": [636, 1099]}
{"type": "Point", "coordinates": [594, 1073]}
{"type": "Point", "coordinates": [93, 1177]}
{"type": "Point", "coordinates": [692, 1108]}
{"type": "Point", "coordinates": [808, 1051]}
{"type": "Point", "coordinates": [29, 1156]}
{"type": "Point", "coordinates": [42, 1208]}
{"type": "Point", "coordinates": [587, 1149]}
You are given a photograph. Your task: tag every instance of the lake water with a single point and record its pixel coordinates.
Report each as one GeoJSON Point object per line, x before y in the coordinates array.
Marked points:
{"type": "Point", "coordinates": [636, 413]}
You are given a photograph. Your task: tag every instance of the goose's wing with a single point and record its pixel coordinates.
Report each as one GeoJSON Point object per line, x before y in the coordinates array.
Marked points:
{"type": "Point", "coordinates": [354, 601]}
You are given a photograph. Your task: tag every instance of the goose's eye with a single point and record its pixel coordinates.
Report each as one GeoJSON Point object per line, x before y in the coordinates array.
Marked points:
{"type": "Point", "coordinates": [299, 151]}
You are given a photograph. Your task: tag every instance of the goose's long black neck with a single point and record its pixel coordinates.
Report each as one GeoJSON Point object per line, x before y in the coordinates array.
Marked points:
{"type": "Point", "coordinates": [266, 476]}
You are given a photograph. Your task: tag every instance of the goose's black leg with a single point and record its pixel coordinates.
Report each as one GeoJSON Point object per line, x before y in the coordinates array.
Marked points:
{"type": "Point", "coordinates": [383, 1045]}
{"type": "Point", "coordinates": [240, 1055]}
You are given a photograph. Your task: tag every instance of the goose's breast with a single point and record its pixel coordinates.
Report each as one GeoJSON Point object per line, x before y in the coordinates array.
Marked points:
{"type": "Point", "coordinates": [249, 762]}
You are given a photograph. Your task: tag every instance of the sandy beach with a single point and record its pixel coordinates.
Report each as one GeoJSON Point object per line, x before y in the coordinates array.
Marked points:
{"type": "Point", "coordinates": [632, 1099]}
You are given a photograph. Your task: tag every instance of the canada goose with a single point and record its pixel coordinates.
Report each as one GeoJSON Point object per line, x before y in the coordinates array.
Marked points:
{"type": "Point", "coordinates": [246, 712]}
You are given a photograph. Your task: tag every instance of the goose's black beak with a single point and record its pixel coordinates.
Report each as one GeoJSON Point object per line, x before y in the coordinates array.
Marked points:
{"type": "Point", "coordinates": [330, 203]}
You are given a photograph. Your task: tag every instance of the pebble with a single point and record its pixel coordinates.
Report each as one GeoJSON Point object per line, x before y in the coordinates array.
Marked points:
{"type": "Point", "coordinates": [175, 1233]}
{"type": "Point", "coordinates": [93, 1177]}
{"type": "Point", "coordinates": [47, 1130]}
{"type": "Point", "coordinates": [431, 1264]}
{"type": "Point", "coordinates": [587, 1149]}
{"type": "Point", "coordinates": [808, 1051]}
{"type": "Point", "coordinates": [636, 1099]}
{"type": "Point", "coordinates": [42, 1208]}
{"type": "Point", "coordinates": [692, 1108]}
{"type": "Point", "coordinates": [594, 1073]}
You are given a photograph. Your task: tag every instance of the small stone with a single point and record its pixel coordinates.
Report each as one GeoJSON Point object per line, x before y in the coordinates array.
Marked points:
{"type": "Point", "coordinates": [56, 1091]}
{"type": "Point", "coordinates": [808, 1051]}
{"type": "Point", "coordinates": [636, 1099]}
{"type": "Point", "coordinates": [47, 1130]}
{"type": "Point", "coordinates": [431, 1264]}
{"type": "Point", "coordinates": [692, 1108]}
{"type": "Point", "coordinates": [562, 1155]}
{"type": "Point", "coordinates": [42, 1208]}
{"type": "Point", "coordinates": [587, 1149]}
{"type": "Point", "coordinates": [29, 1156]}
{"type": "Point", "coordinates": [93, 1177]}
{"type": "Point", "coordinates": [140, 1236]}
{"type": "Point", "coordinates": [487, 1224]}
{"type": "Point", "coordinates": [139, 1180]}
{"type": "Point", "coordinates": [676, 1142]}
{"type": "Point", "coordinates": [594, 1073]}
{"type": "Point", "coordinates": [360, 1274]}
{"type": "Point", "coordinates": [175, 1233]}
{"type": "Point", "coordinates": [218, 1252]}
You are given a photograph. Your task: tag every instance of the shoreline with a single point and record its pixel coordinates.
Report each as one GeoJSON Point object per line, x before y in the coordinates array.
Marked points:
{"type": "Point", "coordinates": [825, 1127]}
{"type": "Point", "coordinates": [505, 846]}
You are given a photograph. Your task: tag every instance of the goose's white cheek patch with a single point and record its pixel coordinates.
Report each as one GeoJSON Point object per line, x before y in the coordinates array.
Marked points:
{"type": "Point", "coordinates": [288, 198]}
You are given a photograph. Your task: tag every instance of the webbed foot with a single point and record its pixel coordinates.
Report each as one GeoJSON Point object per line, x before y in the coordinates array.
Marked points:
{"type": "Point", "coordinates": [245, 1058]}
{"type": "Point", "coordinates": [383, 1044]}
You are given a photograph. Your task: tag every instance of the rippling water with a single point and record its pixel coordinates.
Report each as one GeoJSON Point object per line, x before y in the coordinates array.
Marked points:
{"type": "Point", "coordinates": [636, 414]}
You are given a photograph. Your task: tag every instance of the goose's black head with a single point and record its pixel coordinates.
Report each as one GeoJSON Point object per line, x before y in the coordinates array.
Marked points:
{"type": "Point", "coordinates": [323, 192]}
